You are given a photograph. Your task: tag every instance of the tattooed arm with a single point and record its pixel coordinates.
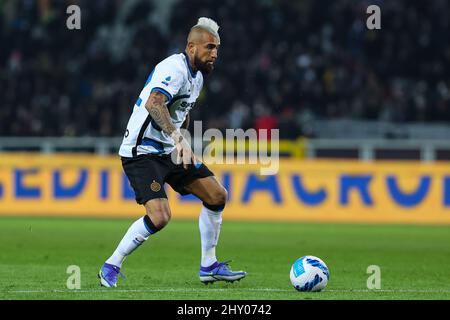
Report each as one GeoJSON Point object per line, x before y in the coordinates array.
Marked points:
{"type": "Point", "coordinates": [158, 111]}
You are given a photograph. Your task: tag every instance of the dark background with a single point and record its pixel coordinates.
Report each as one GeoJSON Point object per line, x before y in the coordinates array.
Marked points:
{"type": "Point", "coordinates": [280, 62]}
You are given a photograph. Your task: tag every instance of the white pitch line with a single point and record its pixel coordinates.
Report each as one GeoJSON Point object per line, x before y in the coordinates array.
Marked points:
{"type": "Point", "coordinates": [184, 290]}
{"type": "Point", "coordinates": [389, 291]}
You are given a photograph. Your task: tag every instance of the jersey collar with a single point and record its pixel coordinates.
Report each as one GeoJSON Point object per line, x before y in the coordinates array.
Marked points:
{"type": "Point", "coordinates": [193, 74]}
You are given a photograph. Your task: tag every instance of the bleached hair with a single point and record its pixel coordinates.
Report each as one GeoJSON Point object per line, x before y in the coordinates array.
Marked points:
{"type": "Point", "coordinates": [209, 25]}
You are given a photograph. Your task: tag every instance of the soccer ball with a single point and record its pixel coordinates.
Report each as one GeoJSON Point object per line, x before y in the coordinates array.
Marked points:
{"type": "Point", "coordinates": [309, 273]}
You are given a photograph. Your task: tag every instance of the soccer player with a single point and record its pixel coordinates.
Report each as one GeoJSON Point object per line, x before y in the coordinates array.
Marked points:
{"type": "Point", "coordinates": [152, 135]}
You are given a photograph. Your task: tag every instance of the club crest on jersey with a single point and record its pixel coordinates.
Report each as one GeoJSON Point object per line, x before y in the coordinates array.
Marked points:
{"type": "Point", "coordinates": [155, 186]}
{"type": "Point", "coordinates": [166, 82]}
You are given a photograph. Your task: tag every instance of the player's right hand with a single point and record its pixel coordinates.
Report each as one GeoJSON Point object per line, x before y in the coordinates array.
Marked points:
{"type": "Point", "coordinates": [185, 155]}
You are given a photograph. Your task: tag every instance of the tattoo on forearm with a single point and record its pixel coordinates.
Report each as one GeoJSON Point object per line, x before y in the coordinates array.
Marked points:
{"type": "Point", "coordinates": [158, 111]}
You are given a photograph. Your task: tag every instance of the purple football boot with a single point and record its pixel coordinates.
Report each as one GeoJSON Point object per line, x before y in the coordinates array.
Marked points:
{"type": "Point", "coordinates": [220, 271]}
{"type": "Point", "coordinates": [108, 275]}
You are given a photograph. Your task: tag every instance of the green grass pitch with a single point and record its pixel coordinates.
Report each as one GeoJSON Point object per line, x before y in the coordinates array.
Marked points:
{"type": "Point", "coordinates": [36, 252]}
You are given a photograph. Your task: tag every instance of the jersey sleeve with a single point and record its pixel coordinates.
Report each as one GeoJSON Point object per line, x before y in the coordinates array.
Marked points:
{"type": "Point", "coordinates": [168, 79]}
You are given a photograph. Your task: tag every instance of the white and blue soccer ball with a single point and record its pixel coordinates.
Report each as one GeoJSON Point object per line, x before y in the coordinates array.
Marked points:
{"type": "Point", "coordinates": [309, 273]}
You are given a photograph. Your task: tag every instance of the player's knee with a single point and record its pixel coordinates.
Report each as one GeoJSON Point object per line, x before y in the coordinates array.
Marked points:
{"type": "Point", "coordinates": [164, 217]}
{"type": "Point", "coordinates": [218, 197]}
{"type": "Point", "coordinates": [223, 196]}
{"type": "Point", "coordinates": [159, 215]}
{"type": "Point", "coordinates": [160, 218]}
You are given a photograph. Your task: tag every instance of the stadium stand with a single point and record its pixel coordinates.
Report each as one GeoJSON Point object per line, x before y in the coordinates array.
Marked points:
{"type": "Point", "coordinates": [282, 64]}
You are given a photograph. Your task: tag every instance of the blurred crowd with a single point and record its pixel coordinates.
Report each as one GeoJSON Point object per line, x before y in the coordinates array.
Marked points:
{"type": "Point", "coordinates": [281, 63]}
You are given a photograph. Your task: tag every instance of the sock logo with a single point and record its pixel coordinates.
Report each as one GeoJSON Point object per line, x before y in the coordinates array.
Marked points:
{"type": "Point", "coordinates": [155, 186]}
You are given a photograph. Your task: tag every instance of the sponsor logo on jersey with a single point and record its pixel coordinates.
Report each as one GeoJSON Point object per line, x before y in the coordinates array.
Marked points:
{"type": "Point", "coordinates": [167, 80]}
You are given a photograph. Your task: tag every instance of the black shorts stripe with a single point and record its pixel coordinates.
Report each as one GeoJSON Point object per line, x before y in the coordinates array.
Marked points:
{"type": "Point", "coordinates": [141, 135]}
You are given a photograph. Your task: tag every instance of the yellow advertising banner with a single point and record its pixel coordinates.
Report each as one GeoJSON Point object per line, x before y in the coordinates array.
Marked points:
{"type": "Point", "coordinates": [302, 190]}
